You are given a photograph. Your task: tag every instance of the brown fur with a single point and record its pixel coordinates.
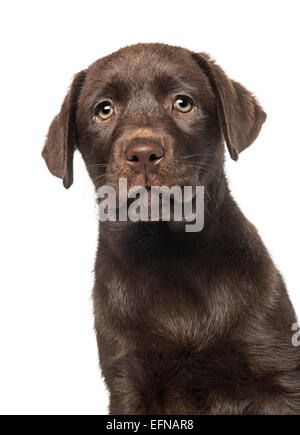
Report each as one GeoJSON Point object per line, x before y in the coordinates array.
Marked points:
{"type": "Point", "coordinates": [196, 323]}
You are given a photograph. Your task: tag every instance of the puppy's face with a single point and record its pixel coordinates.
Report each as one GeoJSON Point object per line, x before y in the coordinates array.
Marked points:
{"type": "Point", "coordinates": [148, 114]}
{"type": "Point", "coordinates": [153, 114]}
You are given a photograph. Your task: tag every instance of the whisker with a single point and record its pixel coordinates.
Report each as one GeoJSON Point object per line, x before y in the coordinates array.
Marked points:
{"type": "Point", "coordinates": [103, 165]}
{"type": "Point", "coordinates": [194, 155]}
{"type": "Point", "coordinates": [206, 164]}
{"type": "Point", "coordinates": [201, 168]}
{"type": "Point", "coordinates": [97, 161]}
{"type": "Point", "coordinates": [196, 161]}
{"type": "Point", "coordinates": [210, 199]}
{"type": "Point", "coordinates": [99, 176]}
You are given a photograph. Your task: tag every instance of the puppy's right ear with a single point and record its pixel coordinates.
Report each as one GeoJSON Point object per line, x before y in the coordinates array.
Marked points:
{"type": "Point", "coordinates": [61, 139]}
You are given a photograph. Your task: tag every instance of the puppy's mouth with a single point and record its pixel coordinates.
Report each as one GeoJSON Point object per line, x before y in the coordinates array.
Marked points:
{"type": "Point", "coordinates": [150, 194]}
{"type": "Point", "coordinates": [123, 201]}
{"type": "Point", "coordinates": [145, 179]}
{"type": "Point", "coordinates": [156, 201]}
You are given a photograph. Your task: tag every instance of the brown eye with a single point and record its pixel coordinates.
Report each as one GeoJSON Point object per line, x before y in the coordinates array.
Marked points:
{"type": "Point", "coordinates": [183, 104]}
{"type": "Point", "coordinates": [104, 110]}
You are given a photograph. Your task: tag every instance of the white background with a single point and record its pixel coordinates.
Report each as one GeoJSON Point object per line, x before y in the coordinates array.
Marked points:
{"type": "Point", "coordinates": [48, 355]}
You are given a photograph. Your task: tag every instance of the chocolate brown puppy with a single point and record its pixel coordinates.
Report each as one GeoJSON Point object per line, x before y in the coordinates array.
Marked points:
{"type": "Point", "coordinates": [186, 323]}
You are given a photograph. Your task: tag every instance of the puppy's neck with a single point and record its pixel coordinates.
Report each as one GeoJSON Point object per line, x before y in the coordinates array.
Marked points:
{"type": "Point", "coordinates": [141, 239]}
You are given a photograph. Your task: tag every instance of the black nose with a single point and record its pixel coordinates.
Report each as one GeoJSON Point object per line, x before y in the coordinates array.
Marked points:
{"type": "Point", "coordinates": [144, 156]}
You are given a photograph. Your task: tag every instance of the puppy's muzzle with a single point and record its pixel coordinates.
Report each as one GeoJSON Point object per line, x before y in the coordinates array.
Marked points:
{"type": "Point", "coordinates": [144, 155]}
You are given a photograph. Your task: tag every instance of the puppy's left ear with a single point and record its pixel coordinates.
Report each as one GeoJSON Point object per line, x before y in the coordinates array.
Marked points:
{"type": "Point", "coordinates": [240, 115]}
{"type": "Point", "coordinates": [61, 140]}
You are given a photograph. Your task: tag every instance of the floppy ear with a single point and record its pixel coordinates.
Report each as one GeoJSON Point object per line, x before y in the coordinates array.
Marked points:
{"type": "Point", "coordinates": [61, 139]}
{"type": "Point", "coordinates": [240, 115]}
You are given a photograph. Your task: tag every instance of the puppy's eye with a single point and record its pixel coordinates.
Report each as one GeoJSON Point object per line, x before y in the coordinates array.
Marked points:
{"type": "Point", "coordinates": [104, 110]}
{"type": "Point", "coordinates": [183, 104]}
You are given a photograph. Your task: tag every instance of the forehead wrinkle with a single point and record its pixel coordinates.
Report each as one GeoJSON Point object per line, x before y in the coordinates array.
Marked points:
{"type": "Point", "coordinates": [169, 84]}
{"type": "Point", "coordinates": [121, 88]}
{"type": "Point", "coordinates": [114, 89]}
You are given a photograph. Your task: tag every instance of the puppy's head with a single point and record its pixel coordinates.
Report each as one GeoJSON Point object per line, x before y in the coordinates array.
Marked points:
{"type": "Point", "coordinates": [154, 114]}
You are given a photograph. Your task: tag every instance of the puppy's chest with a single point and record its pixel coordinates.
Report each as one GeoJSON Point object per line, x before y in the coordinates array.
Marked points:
{"type": "Point", "coordinates": [166, 314]}
{"type": "Point", "coordinates": [184, 382]}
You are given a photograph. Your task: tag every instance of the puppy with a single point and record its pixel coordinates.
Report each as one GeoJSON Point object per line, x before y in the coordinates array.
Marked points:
{"type": "Point", "coordinates": [186, 323]}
